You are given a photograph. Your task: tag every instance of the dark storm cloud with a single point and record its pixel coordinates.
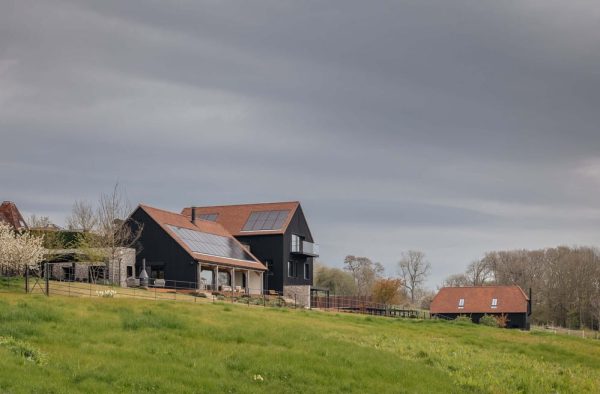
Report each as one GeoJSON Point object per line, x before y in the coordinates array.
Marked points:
{"type": "Point", "coordinates": [452, 127]}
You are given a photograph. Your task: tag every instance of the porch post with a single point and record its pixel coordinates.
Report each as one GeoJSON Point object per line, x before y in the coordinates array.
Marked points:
{"type": "Point", "coordinates": [232, 280]}
{"type": "Point", "coordinates": [216, 274]}
{"type": "Point", "coordinates": [262, 283]}
{"type": "Point", "coordinates": [247, 281]}
{"type": "Point", "coordinates": [199, 276]}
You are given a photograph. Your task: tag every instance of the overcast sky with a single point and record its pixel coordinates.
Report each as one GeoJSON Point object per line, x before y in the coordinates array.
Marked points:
{"type": "Point", "coordinates": [450, 127]}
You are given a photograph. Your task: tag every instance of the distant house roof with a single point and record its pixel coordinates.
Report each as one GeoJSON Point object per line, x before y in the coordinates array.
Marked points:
{"type": "Point", "coordinates": [237, 218]}
{"type": "Point", "coordinates": [176, 225]}
{"type": "Point", "coordinates": [9, 213]}
{"type": "Point", "coordinates": [480, 299]}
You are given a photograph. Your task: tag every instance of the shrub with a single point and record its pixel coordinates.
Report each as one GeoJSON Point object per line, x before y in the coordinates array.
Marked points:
{"type": "Point", "coordinates": [488, 320]}
{"type": "Point", "coordinates": [463, 319]}
{"type": "Point", "coordinates": [502, 320]}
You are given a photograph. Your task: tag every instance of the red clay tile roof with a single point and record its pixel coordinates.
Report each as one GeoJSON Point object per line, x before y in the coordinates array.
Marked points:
{"type": "Point", "coordinates": [478, 299]}
{"type": "Point", "coordinates": [11, 215]}
{"type": "Point", "coordinates": [234, 217]}
{"type": "Point", "coordinates": [164, 218]}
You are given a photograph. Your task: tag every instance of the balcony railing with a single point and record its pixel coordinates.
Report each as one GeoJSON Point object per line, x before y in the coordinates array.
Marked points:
{"type": "Point", "coordinates": [305, 248]}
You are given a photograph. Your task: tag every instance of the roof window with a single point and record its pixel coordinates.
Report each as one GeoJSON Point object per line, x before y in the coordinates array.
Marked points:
{"type": "Point", "coordinates": [461, 303]}
{"type": "Point", "coordinates": [494, 303]}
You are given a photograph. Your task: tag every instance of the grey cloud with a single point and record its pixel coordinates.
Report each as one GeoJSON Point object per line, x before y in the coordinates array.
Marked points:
{"type": "Point", "coordinates": [445, 126]}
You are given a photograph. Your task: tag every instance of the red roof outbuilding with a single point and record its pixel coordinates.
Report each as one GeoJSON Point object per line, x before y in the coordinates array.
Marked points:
{"type": "Point", "coordinates": [480, 299]}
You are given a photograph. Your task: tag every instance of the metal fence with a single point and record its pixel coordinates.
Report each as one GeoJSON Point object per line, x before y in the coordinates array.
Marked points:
{"type": "Point", "coordinates": [364, 305]}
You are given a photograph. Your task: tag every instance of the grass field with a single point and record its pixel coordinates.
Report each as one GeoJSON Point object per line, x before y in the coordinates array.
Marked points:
{"type": "Point", "coordinates": [62, 344]}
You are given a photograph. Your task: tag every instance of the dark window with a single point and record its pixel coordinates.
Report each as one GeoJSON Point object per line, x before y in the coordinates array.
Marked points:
{"type": "Point", "coordinates": [306, 271]}
{"type": "Point", "coordinates": [129, 271]}
{"type": "Point", "coordinates": [68, 273]}
{"type": "Point", "coordinates": [292, 273]}
{"type": "Point", "coordinates": [157, 272]}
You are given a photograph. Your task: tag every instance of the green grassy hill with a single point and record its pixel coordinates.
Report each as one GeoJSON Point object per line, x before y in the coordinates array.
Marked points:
{"type": "Point", "coordinates": [124, 345]}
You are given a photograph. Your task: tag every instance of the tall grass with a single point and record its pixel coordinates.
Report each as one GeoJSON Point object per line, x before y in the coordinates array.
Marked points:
{"type": "Point", "coordinates": [128, 345]}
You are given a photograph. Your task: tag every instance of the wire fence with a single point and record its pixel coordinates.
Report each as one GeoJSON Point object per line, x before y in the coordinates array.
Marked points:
{"type": "Point", "coordinates": [45, 280]}
{"type": "Point", "coordinates": [11, 283]}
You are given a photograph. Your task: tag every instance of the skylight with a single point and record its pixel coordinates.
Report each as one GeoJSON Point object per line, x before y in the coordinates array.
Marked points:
{"type": "Point", "coordinates": [211, 244]}
{"type": "Point", "coordinates": [212, 217]}
{"type": "Point", "coordinates": [461, 303]}
{"type": "Point", "coordinates": [266, 220]}
{"type": "Point", "coordinates": [494, 303]}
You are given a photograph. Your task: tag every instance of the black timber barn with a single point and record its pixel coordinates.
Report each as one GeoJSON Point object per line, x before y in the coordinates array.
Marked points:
{"type": "Point", "coordinates": [277, 234]}
{"type": "Point", "coordinates": [200, 255]}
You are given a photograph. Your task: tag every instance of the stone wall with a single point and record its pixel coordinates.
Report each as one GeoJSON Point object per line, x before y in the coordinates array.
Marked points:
{"type": "Point", "coordinates": [125, 258]}
{"type": "Point", "coordinates": [300, 293]}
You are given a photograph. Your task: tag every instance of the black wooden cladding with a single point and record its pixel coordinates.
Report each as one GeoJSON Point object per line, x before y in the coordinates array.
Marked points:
{"type": "Point", "coordinates": [161, 251]}
{"type": "Point", "coordinates": [164, 254]}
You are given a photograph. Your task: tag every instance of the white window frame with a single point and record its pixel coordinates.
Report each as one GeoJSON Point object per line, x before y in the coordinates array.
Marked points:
{"type": "Point", "coordinates": [494, 303]}
{"type": "Point", "coordinates": [297, 242]}
{"type": "Point", "coordinates": [461, 303]}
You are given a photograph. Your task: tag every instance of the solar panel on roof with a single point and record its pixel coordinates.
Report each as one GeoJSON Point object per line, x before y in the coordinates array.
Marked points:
{"type": "Point", "coordinates": [211, 244]}
{"type": "Point", "coordinates": [266, 220]}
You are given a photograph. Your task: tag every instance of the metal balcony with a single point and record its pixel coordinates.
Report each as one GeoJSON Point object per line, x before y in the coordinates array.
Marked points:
{"type": "Point", "coordinates": [306, 249]}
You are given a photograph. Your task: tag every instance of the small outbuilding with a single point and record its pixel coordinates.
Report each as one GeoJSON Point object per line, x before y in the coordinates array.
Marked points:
{"type": "Point", "coordinates": [477, 301]}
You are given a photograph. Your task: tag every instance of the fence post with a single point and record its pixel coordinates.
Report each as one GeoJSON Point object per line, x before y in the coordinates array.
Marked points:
{"type": "Point", "coordinates": [47, 274]}
{"type": "Point", "coordinates": [26, 279]}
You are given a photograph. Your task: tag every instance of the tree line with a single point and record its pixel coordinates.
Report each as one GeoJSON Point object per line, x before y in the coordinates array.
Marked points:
{"type": "Point", "coordinates": [565, 282]}
{"type": "Point", "coordinates": [363, 278]}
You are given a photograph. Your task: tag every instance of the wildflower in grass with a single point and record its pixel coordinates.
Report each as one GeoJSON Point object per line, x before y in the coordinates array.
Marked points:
{"type": "Point", "coordinates": [258, 378]}
{"type": "Point", "coordinates": [106, 293]}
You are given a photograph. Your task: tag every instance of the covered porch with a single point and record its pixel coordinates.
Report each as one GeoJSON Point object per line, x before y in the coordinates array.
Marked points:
{"type": "Point", "coordinates": [235, 280]}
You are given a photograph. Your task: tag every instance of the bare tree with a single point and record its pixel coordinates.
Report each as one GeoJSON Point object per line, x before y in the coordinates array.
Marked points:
{"type": "Point", "coordinates": [113, 233]}
{"type": "Point", "coordinates": [414, 270]}
{"type": "Point", "coordinates": [82, 217]}
{"type": "Point", "coordinates": [456, 280]}
{"type": "Point", "coordinates": [479, 273]}
{"type": "Point", "coordinates": [364, 272]}
{"type": "Point", "coordinates": [35, 221]}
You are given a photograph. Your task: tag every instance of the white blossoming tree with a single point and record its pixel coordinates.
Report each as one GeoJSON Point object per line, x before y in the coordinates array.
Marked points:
{"type": "Point", "coordinates": [19, 249]}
